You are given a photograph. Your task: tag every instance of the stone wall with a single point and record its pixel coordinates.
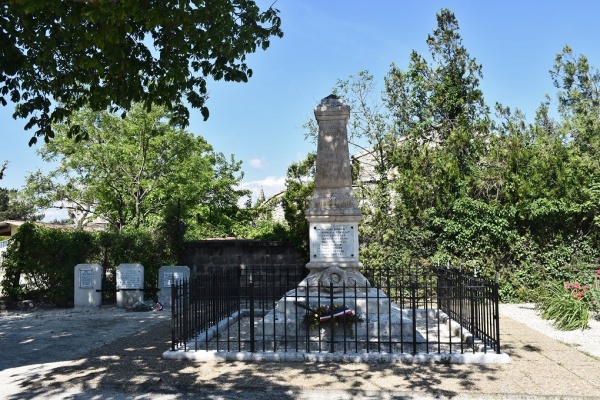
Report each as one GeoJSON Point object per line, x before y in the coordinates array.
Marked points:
{"type": "Point", "coordinates": [268, 259]}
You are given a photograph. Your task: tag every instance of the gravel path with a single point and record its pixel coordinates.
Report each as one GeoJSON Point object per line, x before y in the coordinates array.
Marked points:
{"type": "Point", "coordinates": [587, 340]}
{"type": "Point", "coordinates": [50, 335]}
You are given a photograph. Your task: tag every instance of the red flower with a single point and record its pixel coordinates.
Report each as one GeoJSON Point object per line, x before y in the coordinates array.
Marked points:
{"type": "Point", "coordinates": [567, 285]}
{"type": "Point", "coordinates": [576, 285]}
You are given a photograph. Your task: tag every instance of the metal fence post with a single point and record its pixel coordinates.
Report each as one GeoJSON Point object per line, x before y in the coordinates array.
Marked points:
{"type": "Point", "coordinates": [331, 320]}
{"type": "Point", "coordinates": [413, 299]}
{"type": "Point", "coordinates": [184, 313]}
{"type": "Point", "coordinates": [496, 299]}
{"type": "Point", "coordinates": [251, 294]}
{"type": "Point", "coordinates": [174, 300]}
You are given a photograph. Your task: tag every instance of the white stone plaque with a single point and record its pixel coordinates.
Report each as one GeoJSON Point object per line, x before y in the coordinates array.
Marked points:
{"type": "Point", "coordinates": [333, 241]}
{"type": "Point", "coordinates": [87, 285]}
{"type": "Point", "coordinates": [130, 284]}
{"type": "Point", "coordinates": [85, 279]}
{"type": "Point", "coordinates": [129, 278]}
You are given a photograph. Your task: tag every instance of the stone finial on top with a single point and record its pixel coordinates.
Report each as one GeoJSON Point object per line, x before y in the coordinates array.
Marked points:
{"type": "Point", "coordinates": [332, 107]}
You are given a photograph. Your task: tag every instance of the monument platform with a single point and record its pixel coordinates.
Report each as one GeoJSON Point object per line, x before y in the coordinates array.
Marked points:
{"type": "Point", "coordinates": [373, 315]}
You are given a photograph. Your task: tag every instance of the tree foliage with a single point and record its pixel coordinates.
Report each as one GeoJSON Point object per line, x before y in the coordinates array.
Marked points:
{"type": "Point", "coordinates": [32, 257]}
{"type": "Point", "coordinates": [133, 170]}
{"type": "Point", "coordinates": [34, 269]}
{"type": "Point", "coordinates": [16, 207]}
{"type": "Point", "coordinates": [299, 187]}
{"type": "Point", "coordinates": [442, 180]}
{"type": "Point", "coordinates": [62, 56]}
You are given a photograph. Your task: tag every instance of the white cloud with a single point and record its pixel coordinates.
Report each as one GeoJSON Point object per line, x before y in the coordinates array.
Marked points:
{"type": "Point", "coordinates": [271, 185]}
{"type": "Point", "coordinates": [258, 163]}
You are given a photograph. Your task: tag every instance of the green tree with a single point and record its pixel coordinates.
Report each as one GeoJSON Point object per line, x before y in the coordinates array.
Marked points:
{"type": "Point", "coordinates": [578, 85]}
{"type": "Point", "coordinates": [218, 209]}
{"type": "Point", "coordinates": [440, 111]}
{"type": "Point", "coordinates": [258, 221]}
{"type": "Point", "coordinates": [58, 56]}
{"type": "Point", "coordinates": [299, 185]}
{"type": "Point", "coordinates": [578, 100]}
{"type": "Point", "coordinates": [439, 127]}
{"type": "Point", "coordinates": [15, 207]}
{"type": "Point", "coordinates": [131, 171]}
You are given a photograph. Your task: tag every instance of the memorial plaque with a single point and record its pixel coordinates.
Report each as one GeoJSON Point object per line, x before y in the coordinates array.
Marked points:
{"type": "Point", "coordinates": [333, 240]}
{"type": "Point", "coordinates": [170, 278]}
{"type": "Point", "coordinates": [129, 278]}
{"type": "Point", "coordinates": [85, 279]}
{"type": "Point", "coordinates": [87, 285]}
{"type": "Point", "coordinates": [130, 284]}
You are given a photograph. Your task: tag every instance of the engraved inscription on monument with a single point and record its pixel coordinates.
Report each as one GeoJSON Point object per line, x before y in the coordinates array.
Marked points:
{"type": "Point", "coordinates": [333, 240]}
{"type": "Point", "coordinates": [170, 278]}
{"type": "Point", "coordinates": [129, 279]}
{"type": "Point", "coordinates": [85, 278]}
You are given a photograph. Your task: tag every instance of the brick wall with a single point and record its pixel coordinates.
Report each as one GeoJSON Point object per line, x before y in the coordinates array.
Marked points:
{"type": "Point", "coordinates": [268, 259]}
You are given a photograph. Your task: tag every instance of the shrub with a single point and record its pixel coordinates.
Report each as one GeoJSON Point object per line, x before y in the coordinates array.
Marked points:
{"type": "Point", "coordinates": [39, 261]}
{"type": "Point", "coordinates": [567, 311]}
{"type": "Point", "coordinates": [570, 305]}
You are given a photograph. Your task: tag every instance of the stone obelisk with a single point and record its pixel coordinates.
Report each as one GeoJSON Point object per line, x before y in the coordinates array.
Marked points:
{"type": "Point", "coordinates": [333, 213]}
{"type": "Point", "coordinates": [333, 216]}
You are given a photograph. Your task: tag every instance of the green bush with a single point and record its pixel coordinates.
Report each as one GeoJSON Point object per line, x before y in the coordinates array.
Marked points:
{"type": "Point", "coordinates": [39, 261]}
{"type": "Point", "coordinates": [570, 305]}
{"type": "Point", "coordinates": [45, 258]}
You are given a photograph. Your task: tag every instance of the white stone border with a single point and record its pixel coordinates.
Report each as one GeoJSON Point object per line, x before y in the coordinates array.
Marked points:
{"type": "Point", "coordinates": [448, 358]}
{"type": "Point", "coordinates": [481, 357]}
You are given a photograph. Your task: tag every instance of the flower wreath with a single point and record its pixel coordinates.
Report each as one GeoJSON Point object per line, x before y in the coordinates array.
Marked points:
{"type": "Point", "coordinates": [325, 314]}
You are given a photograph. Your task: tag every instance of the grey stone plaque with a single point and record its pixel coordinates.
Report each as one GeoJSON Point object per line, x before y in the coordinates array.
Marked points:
{"type": "Point", "coordinates": [168, 276]}
{"type": "Point", "coordinates": [85, 279]}
{"type": "Point", "coordinates": [335, 241]}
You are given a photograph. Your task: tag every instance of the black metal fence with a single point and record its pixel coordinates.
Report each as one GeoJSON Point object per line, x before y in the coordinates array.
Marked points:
{"type": "Point", "coordinates": [425, 311]}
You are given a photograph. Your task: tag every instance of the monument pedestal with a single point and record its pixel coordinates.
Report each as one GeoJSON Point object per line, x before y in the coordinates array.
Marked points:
{"type": "Point", "coordinates": [130, 284]}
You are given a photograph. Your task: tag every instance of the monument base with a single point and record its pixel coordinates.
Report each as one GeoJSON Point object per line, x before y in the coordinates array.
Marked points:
{"type": "Point", "coordinates": [127, 298]}
{"type": "Point", "coordinates": [375, 317]}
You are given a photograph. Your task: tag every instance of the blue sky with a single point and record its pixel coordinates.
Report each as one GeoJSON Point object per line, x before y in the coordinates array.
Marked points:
{"type": "Point", "coordinates": [260, 122]}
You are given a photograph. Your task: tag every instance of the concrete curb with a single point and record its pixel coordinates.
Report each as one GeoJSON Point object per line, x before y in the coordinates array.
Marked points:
{"type": "Point", "coordinates": [449, 358]}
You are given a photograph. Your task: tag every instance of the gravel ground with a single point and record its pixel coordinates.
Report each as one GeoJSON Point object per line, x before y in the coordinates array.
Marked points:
{"type": "Point", "coordinates": [50, 335]}
{"type": "Point", "coordinates": [427, 327]}
{"type": "Point", "coordinates": [587, 340]}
